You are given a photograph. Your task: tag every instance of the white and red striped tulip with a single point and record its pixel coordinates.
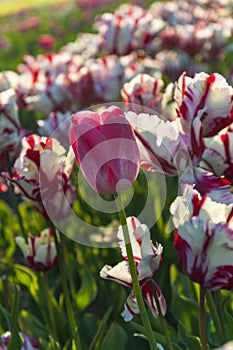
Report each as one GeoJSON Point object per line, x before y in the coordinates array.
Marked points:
{"type": "Point", "coordinates": [128, 29]}
{"type": "Point", "coordinates": [41, 159]}
{"type": "Point", "coordinates": [204, 239]}
{"type": "Point", "coordinates": [56, 125]}
{"type": "Point", "coordinates": [40, 250]}
{"type": "Point", "coordinates": [205, 182]}
{"type": "Point", "coordinates": [143, 90]}
{"type": "Point", "coordinates": [161, 144]}
{"type": "Point", "coordinates": [218, 153]}
{"type": "Point", "coordinates": [206, 96]}
{"type": "Point", "coordinates": [42, 173]}
{"type": "Point", "coordinates": [9, 121]}
{"type": "Point", "coordinates": [147, 259]}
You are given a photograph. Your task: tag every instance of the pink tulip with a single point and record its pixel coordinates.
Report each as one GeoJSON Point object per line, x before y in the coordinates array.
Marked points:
{"type": "Point", "coordinates": [106, 149]}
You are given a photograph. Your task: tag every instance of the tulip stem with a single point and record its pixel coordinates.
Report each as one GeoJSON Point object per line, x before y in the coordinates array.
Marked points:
{"type": "Point", "coordinates": [133, 272]}
{"type": "Point", "coordinates": [163, 323]}
{"type": "Point", "coordinates": [217, 294]}
{"type": "Point", "coordinates": [215, 317]}
{"type": "Point", "coordinates": [70, 313]}
{"type": "Point", "coordinates": [50, 306]}
{"type": "Point", "coordinates": [202, 320]}
{"type": "Point", "coordinates": [13, 199]}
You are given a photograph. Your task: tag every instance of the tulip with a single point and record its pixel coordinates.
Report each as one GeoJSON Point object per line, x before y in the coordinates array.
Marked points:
{"type": "Point", "coordinates": [208, 97]}
{"type": "Point", "coordinates": [40, 251]}
{"type": "Point", "coordinates": [128, 29]}
{"type": "Point", "coordinates": [143, 90]}
{"type": "Point", "coordinates": [205, 182]}
{"type": "Point", "coordinates": [218, 154]}
{"type": "Point", "coordinates": [28, 343]}
{"type": "Point", "coordinates": [147, 259]}
{"type": "Point", "coordinates": [41, 158]}
{"type": "Point", "coordinates": [106, 150]}
{"type": "Point", "coordinates": [9, 120]}
{"type": "Point", "coordinates": [160, 143]}
{"type": "Point", "coordinates": [46, 41]}
{"type": "Point", "coordinates": [42, 173]}
{"type": "Point", "coordinates": [204, 239]}
{"type": "Point", "coordinates": [56, 125]}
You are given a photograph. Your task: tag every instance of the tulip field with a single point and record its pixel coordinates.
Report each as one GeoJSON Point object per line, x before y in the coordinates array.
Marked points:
{"type": "Point", "coordinates": [116, 175]}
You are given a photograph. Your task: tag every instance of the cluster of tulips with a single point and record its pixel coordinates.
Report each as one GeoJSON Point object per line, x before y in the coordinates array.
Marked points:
{"type": "Point", "coordinates": [133, 120]}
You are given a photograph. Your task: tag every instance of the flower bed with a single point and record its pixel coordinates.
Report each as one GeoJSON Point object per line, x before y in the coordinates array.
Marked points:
{"type": "Point", "coordinates": [116, 164]}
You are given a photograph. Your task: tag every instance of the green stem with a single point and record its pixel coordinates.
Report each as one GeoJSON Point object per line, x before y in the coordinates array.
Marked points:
{"type": "Point", "coordinates": [14, 203]}
{"type": "Point", "coordinates": [215, 316]}
{"type": "Point", "coordinates": [220, 314]}
{"type": "Point", "coordinates": [62, 268]}
{"type": "Point", "coordinates": [66, 259]}
{"type": "Point", "coordinates": [162, 322]}
{"type": "Point", "coordinates": [133, 272]}
{"type": "Point", "coordinates": [16, 209]}
{"type": "Point", "coordinates": [50, 307]}
{"type": "Point", "coordinates": [202, 321]}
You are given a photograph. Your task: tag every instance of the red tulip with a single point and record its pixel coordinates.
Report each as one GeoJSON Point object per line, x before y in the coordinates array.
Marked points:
{"type": "Point", "coordinates": [106, 149]}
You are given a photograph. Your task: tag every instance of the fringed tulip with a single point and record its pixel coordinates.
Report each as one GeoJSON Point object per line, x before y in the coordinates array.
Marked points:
{"type": "Point", "coordinates": [147, 260]}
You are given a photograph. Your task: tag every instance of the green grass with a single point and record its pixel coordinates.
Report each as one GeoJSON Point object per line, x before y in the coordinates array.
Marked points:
{"type": "Point", "coordinates": [11, 6]}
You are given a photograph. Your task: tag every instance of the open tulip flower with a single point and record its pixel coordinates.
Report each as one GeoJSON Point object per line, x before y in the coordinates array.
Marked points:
{"type": "Point", "coordinates": [205, 182]}
{"type": "Point", "coordinates": [218, 154]}
{"type": "Point", "coordinates": [204, 239]}
{"type": "Point", "coordinates": [147, 260]}
{"type": "Point", "coordinates": [160, 143]}
{"type": "Point", "coordinates": [40, 251]}
{"type": "Point", "coordinates": [143, 90]}
{"type": "Point", "coordinates": [42, 171]}
{"type": "Point", "coordinates": [106, 149]}
{"type": "Point", "coordinates": [208, 97]}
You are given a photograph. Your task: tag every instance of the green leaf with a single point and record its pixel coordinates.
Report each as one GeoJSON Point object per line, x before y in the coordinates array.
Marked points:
{"type": "Point", "coordinates": [88, 290]}
{"type": "Point", "coordinates": [188, 341]}
{"type": "Point", "coordinates": [51, 345]}
{"type": "Point", "coordinates": [101, 328]}
{"type": "Point", "coordinates": [31, 324]}
{"type": "Point", "coordinates": [6, 315]}
{"type": "Point", "coordinates": [184, 306]}
{"type": "Point", "coordinates": [115, 339]}
{"type": "Point", "coordinates": [25, 276]}
{"type": "Point", "coordinates": [87, 329]}
{"type": "Point", "coordinates": [158, 336]}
